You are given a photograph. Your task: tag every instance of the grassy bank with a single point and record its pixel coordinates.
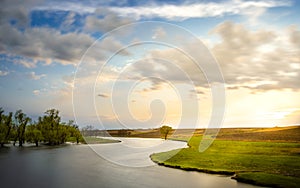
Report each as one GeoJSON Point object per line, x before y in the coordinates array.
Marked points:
{"type": "Point", "coordinates": [275, 164]}
{"type": "Point", "coordinates": [96, 140]}
{"type": "Point", "coordinates": [92, 140]}
{"type": "Point", "coordinates": [265, 179]}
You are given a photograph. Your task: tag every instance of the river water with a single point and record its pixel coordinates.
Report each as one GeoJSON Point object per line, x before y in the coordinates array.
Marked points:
{"type": "Point", "coordinates": [81, 166]}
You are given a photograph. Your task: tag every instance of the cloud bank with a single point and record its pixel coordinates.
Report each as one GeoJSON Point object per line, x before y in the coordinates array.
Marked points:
{"type": "Point", "coordinates": [197, 10]}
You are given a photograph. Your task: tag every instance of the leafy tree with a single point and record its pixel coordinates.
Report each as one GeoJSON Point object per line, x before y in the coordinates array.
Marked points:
{"type": "Point", "coordinates": [48, 129]}
{"type": "Point", "coordinates": [165, 130]}
{"type": "Point", "coordinates": [2, 128]}
{"type": "Point", "coordinates": [50, 126]}
{"type": "Point", "coordinates": [74, 131]}
{"type": "Point", "coordinates": [33, 134]}
{"type": "Point", "coordinates": [77, 135]}
{"type": "Point", "coordinates": [5, 127]}
{"type": "Point", "coordinates": [63, 133]}
{"type": "Point", "coordinates": [8, 123]}
{"type": "Point", "coordinates": [21, 120]}
{"type": "Point", "coordinates": [14, 133]}
{"type": "Point", "coordinates": [54, 132]}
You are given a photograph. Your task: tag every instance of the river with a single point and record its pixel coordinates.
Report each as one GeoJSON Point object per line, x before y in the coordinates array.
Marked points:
{"type": "Point", "coordinates": [81, 166]}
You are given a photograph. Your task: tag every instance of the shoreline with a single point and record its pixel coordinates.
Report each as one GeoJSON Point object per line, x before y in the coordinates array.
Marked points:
{"type": "Point", "coordinates": [251, 177]}
{"type": "Point", "coordinates": [231, 174]}
{"type": "Point", "coordinates": [227, 173]}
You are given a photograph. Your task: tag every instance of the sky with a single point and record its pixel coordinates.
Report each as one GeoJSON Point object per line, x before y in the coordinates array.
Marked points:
{"type": "Point", "coordinates": [141, 64]}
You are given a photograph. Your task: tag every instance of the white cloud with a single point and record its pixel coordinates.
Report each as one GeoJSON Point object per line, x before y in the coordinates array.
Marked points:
{"type": "Point", "coordinates": [159, 33]}
{"type": "Point", "coordinates": [197, 10]}
{"type": "Point", "coordinates": [17, 11]}
{"type": "Point", "coordinates": [67, 6]}
{"type": "Point", "coordinates": [294, 34]}
{"type": "Point", "coordinates": [32, 45]}
{"type": "Point", "coordinates": [34, 76]}
{"type": "Point", "coordinates": [260, 59]}
{"type": "Point", "coordinates": [25, 63]}
{"type": "Point", "coordinates": [36, 92]}
{"type": "Point", "coordinates": [104, 20]}
{"type": "Point", "coordinates": [43, 44]}
{"type": "Point", "coordinates": [3, 73]}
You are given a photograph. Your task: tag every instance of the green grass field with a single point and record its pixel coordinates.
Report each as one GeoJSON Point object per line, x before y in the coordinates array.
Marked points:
{"type": "Point", "coordinates": [267, 163]}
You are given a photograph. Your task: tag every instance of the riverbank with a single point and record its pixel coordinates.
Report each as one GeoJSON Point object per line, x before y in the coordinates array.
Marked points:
{"type": "Point", "coordinates": [98, 140]}
{"type": "Point", "coordinates": [274, 164]}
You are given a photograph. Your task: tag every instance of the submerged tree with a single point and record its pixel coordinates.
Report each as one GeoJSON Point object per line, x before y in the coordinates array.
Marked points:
{"type": "Point", "coordinates": [165, 130]}
{"type": "Point", "coordinates": [50, 126]}
{"type": "Point", "coordinates": [2, 128]}
{"type": "Point", "coordinates": [5, 127]}
{"type": "Point", "coordinates": [14, 134]}
{"type": "Point", "coordinates": [48, 129]}
{"type": "Point", "coordinates": [21, 121]}
{"type": "Point", "coordinates": [74, 131]}
{"type": "Point", "coordinates": [33, 134]}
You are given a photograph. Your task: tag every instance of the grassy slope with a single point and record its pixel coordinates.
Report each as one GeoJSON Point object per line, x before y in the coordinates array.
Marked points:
{"type": "Point", "coordinates": [275, 164]}
{"type": "Point", "coordinates": [266, 179]}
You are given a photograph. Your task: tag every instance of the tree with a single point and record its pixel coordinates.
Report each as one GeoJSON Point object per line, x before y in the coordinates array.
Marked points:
{"type": "Point", "coordinates": [74, 131]}
{"type": "Point", "coordinates": [165, 130]}
{"type": "Point", "coordinates": [50, 126]}
{"type": "Point", "coordinates": [33, 134]}
{"type": "Point", "coordinates": [14, 134]}
{"type": "Point", "coordinates": [78, 136]}
{"type": "Point", "coordinates": [21, 121]}
{"type": "Point", "coordinates": [63, 133]}
{"type": "Point", "coordinates": [5, 127]}
{"type": "Point", "coordinates": [54, 132]}
{"type": "Point", "coordinates": [48, 129]}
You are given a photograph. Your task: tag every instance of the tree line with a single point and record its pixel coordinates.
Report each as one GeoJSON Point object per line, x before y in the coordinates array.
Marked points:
{"type": "Point", "coordinates": [19, 128]}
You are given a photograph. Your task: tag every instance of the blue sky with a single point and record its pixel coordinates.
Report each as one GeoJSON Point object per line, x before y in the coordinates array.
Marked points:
{"type": "Point", "coordinates": [124, 64]}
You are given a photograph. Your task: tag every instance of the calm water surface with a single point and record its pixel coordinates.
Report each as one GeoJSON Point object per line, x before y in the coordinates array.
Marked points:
{"type": "Point", "coordinates": [79, 166]}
